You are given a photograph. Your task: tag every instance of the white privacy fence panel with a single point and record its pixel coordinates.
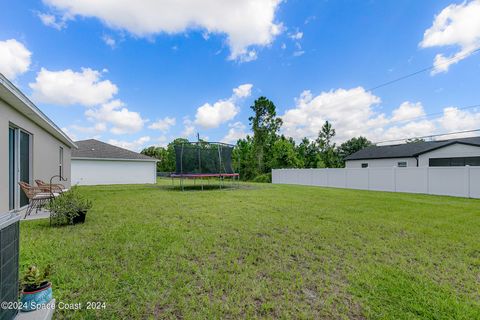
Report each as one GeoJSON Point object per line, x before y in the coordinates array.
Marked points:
{"type": "Point", "coordinates": [451, 181]}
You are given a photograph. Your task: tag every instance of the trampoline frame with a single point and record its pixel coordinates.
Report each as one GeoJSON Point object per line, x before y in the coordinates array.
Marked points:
{"type": "Point", "coordinates": [194, 176]}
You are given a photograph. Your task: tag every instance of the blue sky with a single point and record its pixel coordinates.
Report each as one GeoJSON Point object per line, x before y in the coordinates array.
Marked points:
{"type": "Point", "coordinates": [142, 74]}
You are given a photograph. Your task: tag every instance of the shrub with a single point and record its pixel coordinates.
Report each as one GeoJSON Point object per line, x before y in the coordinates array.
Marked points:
{"type": "Point", "coordinates": [263, 178]}
{"type": "Point", "coordinates": [33, 278]}
{"type": "Point", "coordinates": [67, 206]}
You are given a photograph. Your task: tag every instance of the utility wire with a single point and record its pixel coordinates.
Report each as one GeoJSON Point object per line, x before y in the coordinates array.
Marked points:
{"type": "Point", "coordinates": [422, 70]}
{"type": "Point", "coordinates": [429, 136]}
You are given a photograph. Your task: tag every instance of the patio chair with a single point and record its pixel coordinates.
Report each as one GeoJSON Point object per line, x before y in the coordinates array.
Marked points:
{"type": "Point", "coordinates": [52, 188]}
{"type": "Point", "coordinates": [37, 197]}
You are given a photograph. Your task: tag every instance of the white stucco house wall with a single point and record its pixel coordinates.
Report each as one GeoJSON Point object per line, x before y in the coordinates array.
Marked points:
{"type": "Point", "coordinates": [445, 153]}
{"type": "Point", "coordinates": [32, 147]}
{"type": "Point", "coordinates": [100, 163]}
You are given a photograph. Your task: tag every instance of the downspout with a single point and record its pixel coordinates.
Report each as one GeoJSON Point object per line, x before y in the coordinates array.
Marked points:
{"type": "Point", "coordinates": [416, 157]}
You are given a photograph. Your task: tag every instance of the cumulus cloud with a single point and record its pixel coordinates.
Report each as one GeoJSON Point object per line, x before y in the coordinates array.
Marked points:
{"type": "Point", "coordinates": [51, 20]}
{"type": "Point", "coordinates": [115, 113]}
{"type": "Point", "coordinates": [163, 124]}
{"type": "Point", "coordinates": [68, 87]}
{"type": "Point", "coordinates": [109, 41]}
{"type": "Point", "coordinates": [243, 91]}
{"type": "Point", "coordinates": [355, 112]}
{"type": "Point", "coordinates": [135, 145]}
{"type": "Point", "coordinates": [296, 35]}
{"type": "Point", "coordinates": [189, 127]}
{"type": "Point", "coordinates": [14, 58]}
{"type": "Point", "coordinates": [246, 23]}
{"type": "Point", "coordinates": [236, 131]}
{"type": "Point", "coordinates": [211, 116]}
{"type": "Point", "coordinates": [408, 111]}
{"type": "Point", "coordinates": [349, 110]}
{"type": "Point", "coordinates": [456, 25]}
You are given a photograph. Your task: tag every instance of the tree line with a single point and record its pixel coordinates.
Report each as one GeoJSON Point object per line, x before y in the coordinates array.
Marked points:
{"type": "Point", "coordinates": [256, 155]}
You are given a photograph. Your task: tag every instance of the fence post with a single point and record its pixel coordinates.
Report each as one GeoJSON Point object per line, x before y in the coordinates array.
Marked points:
{"type": "Point", "coordinates": [428, 180]}
{"type": "Point", "coordinates": [394, 179]}
{"type": "Point", "coordinates": [468, 181]}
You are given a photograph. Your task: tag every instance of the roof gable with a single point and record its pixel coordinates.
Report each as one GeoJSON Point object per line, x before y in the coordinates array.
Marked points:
{"type": "Point", "coordinates": [94, 149]}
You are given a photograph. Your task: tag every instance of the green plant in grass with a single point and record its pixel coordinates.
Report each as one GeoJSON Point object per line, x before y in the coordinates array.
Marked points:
{"type": "Point", "coordinates": [67, 207]}
{"type": "Point", "coordinates": [33, 278]}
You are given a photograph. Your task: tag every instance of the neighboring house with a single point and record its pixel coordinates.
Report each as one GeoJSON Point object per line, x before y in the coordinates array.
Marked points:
{"type": "Point", "coordinates": [31, 147]}
{"type": "Point", "coordinates": [97, 163]}
{"type": "Point", "coordinates": [446, 153]}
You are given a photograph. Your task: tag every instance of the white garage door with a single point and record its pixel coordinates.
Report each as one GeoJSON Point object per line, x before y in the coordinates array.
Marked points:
{"type": "Point", "coordinates": [95, 172]}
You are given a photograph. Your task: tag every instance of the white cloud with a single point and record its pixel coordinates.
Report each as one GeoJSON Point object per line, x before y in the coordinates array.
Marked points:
{"type": "Point", "coordinates": [68, 87]}
{"type": "Point", "coordinates": [236, 131]}
{"type": "Point", "coordinates": [14, 58]}
{"type": "Point", "coordinates": [211, 116]}
{"type": "Point", "coordinates": [245, 22]}
{"type": "Point", "coordinates": [115, 113]}
{"type": "Point", "coordinates": [353, 112]}
{"type": "Point", "coordinates": [189, 127]}
{"type": "Point", "coordinates": [163, 124]}
{"type": "Point", "coordinates": [454, 119]}
{"type": "Point", "coordinates": [109, 41]}
{"type": "Point", "coordinates": [296, 35]}
{"type": "Point", "coordinates": [51, 20]}
{"type": "Point", "coordinates": [243, 91]}
{"type": "Point", "coordinates": [135, 145]}
{"type": "Point", "coordinates": [456, 25]}
{"type": "Point", "coordinates": [349, 110]}
{"type": "Point", "coordinates": [408, 111]}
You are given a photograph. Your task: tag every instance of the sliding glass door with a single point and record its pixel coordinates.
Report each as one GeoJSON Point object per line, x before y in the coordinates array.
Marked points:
{"type": "Point", "coordinates": [19, 166]}
{"type": "Point", "coordinates": [11, 169]}
{"type": "Point", "coordinates": [24, 164]}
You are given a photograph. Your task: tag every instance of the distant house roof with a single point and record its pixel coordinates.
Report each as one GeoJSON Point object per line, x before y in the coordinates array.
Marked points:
{"type": "Point", "coordinates": [94, 149]}
{"type": "Point", "coordinates": [16, 99]}
{"type": "Point", "coordinates": [408, 150]}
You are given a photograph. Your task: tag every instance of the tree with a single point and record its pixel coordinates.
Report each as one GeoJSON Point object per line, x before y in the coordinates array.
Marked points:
{"type": "Point", "coordinates": [308, 153]}
{"type": "Point", "coordinates": [243, 158]}
{"type": "Point", "coordinates": [265, 126]}
{"type": "Point", "coordinates": [328, 155]}
{"type": "Point", "coordinates": [414, 140]}
{"type": "Point", "coordinates": [284, 154]}
{"type": "Point", "coordinates": [353, 145]}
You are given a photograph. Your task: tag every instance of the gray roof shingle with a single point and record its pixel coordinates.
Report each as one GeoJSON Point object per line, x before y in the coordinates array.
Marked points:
{"type": "Point", "coordinates": [95, 149]}
{"type": "Point", "coordinates": [408, 149]}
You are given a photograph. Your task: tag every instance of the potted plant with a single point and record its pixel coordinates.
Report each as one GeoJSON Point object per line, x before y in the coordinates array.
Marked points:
{"type": "Point", "coordinates": [69, 208]}
{"type": "Point", "coordinates": [37, 289]}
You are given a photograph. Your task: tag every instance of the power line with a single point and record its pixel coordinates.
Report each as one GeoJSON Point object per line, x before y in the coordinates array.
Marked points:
{"type": "Point", "coordinates": [429, 136]}
{"type": "Point", "coordinates": [422, 70]}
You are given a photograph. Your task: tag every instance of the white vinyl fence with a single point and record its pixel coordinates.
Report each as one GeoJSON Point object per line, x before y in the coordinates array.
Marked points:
{"type": "Point", "coordinates": [451, 181]}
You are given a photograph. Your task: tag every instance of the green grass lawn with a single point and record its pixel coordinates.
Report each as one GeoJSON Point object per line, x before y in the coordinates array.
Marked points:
{"type": "Point", "coordinates": [264, 251]}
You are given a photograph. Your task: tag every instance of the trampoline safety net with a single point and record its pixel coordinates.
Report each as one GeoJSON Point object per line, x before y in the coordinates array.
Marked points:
{"type": "Point", "coordinates": [203, 158]}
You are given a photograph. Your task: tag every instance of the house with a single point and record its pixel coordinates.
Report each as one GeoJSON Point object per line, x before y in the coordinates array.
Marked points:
{"type": "Point", "coordinates": [97, 163]}
{"type": "Point", "coordinates": [32, 147]}
{"type": "Point", "coordinates": [446, 153]}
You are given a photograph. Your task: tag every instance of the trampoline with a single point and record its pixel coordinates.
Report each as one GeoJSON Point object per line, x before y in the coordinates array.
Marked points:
{"type": "Point", "coordinates": [204, 161]}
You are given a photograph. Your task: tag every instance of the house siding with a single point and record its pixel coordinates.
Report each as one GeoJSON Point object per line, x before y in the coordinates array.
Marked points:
{"type": "Point", "coordinates": [45, 151]}
{"type": "Point", "coordinates": [451, 151]}
{"type": "Point", "coordinates": [381, 163]}
{"type": "Point", "coordinates": [105, 172]}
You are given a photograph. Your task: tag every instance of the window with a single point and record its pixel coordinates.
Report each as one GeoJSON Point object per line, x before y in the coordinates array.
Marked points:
{"type": "Point", "coordinates": [60, 165]}
{"type": "Point", "coordinates": [454, 162]}
{"type": "Point", "coordinates": [364, 165]}
{"type": "Point", "coordinates": [402, 164]}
